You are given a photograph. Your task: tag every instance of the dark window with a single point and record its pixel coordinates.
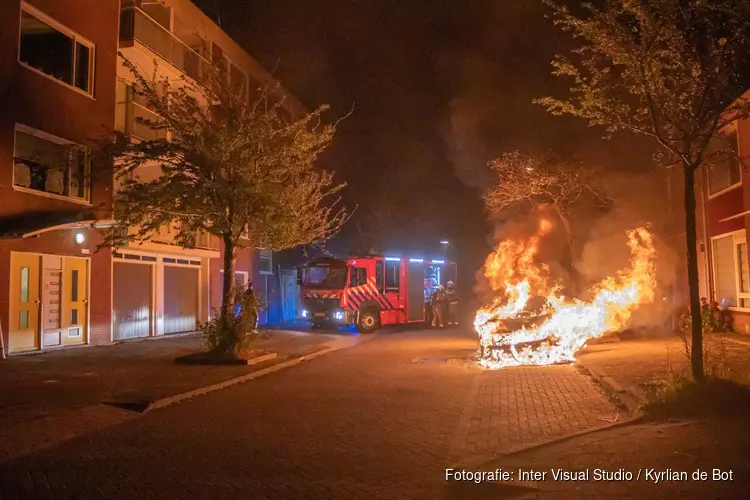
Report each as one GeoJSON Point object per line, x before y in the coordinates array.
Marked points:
{"type": "Point", "coordinates": [148, 258]}
{"type": "Point", "coordinates": [183, 261]}
{"type": "Point", "coordinates": [265, 262]}
{"type": "Point", "coordinates": [169, 260]}
{"type": "Point", "coordinates": [380, 275]}
{"type": "Point", "coordinates": [51, 167]}
{"type": "Point", "coordinates": [74, 286]}
{"type": "Point", "coordinates": [392, 277]}
{"type": "Point", "coordinates": [724, 167]}
{"type": "Point", "coordinates": [130, 256]}
{"type": "Point", "coordinates": [54, 53]}
{"type": "Point", "coordinates": [74, 316]}
{"type": "Point", "coordinates": [357, 276]}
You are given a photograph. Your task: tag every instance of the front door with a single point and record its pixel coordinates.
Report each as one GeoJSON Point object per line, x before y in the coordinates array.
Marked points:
{"type": "Point", "coordinates": [289, 284]}
{"type": "Point", "coordinates": [75, 301]}
{"type": "Point", "coordinates": [23, 330]}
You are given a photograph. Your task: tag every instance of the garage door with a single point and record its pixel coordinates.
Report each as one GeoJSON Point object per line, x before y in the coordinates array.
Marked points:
{"type": "Point", "coordinates": [180, 299]}
{"type": "Point", "coordinates": [132, 300]}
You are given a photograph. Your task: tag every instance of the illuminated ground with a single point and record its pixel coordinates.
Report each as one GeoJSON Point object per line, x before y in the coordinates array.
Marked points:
{"type": "Point", "coordinates": [379, 420]}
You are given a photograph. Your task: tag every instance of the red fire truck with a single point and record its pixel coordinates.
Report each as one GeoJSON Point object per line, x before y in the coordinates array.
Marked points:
{"type": "Point", "coordinates": [370, 291]}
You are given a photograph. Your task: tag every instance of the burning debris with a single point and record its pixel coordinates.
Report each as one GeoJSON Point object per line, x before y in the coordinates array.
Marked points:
{"type": "Point", "coordinates": [529, 324]}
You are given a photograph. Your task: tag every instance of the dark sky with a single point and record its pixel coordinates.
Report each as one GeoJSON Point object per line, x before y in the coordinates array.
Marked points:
{"type": "Point", "coordinates": [438, 87]}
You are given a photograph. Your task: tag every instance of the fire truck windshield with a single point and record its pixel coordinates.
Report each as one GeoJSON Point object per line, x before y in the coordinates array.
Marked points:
{"type": "Point", "coordinates": [331, 276]}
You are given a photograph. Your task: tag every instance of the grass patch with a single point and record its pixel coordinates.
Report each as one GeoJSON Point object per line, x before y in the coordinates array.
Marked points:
{"type": "Point", "coordinates": [680, 396]}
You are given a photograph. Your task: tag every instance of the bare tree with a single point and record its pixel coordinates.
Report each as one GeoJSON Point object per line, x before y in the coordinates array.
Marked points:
{"type": "Point", "coordinates": [672, 70]}
{"type": "Point", "coordinates": [235, 167]}
{"type": "Point", "coordinates": [530, 181]}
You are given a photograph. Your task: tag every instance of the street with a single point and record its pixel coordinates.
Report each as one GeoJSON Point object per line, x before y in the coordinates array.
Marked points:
{"type": "Point", "coordinates": [380, 420]}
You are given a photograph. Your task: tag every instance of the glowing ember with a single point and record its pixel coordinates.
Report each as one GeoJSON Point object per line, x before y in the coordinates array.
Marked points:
{"type": "Point", "coordinates": [516, 331]}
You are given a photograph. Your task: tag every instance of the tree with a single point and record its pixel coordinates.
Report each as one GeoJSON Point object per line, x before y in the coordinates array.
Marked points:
{"type": "Point", "coordinates": [673, 70]}
{"type": "Point", "coordinates": [235, 167]}
{"type": "Point", "coordinates": [528, 181]}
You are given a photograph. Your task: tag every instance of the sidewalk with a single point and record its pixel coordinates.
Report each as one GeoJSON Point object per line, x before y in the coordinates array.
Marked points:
{"type": "Point", "coordinates": [50, 397]}
{"type": "Point", "coordinates": [639, 366]}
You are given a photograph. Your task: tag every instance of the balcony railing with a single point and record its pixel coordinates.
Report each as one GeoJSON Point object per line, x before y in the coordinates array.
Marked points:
{"type": "Point", "coordinates": [137, 25]}
{"type": "Point", "coordinates": [127, 114]}
{"type": "Point", "coordinates": [203, 240]}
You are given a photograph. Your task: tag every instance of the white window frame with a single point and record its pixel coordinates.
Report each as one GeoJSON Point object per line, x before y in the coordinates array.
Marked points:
{"type": "Point", "coordinates": [41, 16]}
{"type": "Point", "coordinates": [58, 140]}
{"type": "Point", "coordinates": [243, 273]}
{"type": "Point", "coordinates": [736, 130]}
{"type": "Point", "coordinates": [262, 254]}
{"type": "Point", "coordinates": [738, 237]}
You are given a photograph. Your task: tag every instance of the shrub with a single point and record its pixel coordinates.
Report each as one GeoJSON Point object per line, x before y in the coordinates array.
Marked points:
{"type": "Point", "coordinates": [229, 335]}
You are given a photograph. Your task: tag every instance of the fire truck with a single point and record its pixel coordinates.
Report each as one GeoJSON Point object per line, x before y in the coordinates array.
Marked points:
{"type": "Point", "coordinates": [370, 291]}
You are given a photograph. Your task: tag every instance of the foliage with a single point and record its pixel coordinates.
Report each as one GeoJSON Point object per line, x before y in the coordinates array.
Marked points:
{"type": "Point", "coordinates": [528, 181]}
{"type": "Point", "coordinates": [229, 161]}
{"type": "Point", "coordinates": [673, 70]}
{"type": "Point", "coordinates": [234, 333]}
{"type": "Point", "coordinates": [231, 166]}
{"type": "Point", "coordinates": [524, 179]}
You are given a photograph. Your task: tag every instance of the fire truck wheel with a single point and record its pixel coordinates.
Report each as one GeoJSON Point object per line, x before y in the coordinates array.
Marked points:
{"type": "Point", "coordinates": [369, 321]}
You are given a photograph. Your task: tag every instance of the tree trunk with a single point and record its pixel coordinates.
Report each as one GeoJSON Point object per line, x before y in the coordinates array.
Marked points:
{"type": "Point", "coordinates": [696, 351]}
{"type": "Point", "coordinates": [571, 250]}
{"type": "Point", "coordinates": [229, 339]}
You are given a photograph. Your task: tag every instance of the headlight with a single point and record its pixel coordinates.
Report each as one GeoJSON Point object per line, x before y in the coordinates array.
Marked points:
{"type": "Point", "coordinates": [338, 315]}
{"type": "Point", "coordinates": [305, 313]}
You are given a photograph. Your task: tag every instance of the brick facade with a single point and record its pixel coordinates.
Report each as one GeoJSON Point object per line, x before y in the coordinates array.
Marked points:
{"type": "Point", "coordinates": [54, 108]}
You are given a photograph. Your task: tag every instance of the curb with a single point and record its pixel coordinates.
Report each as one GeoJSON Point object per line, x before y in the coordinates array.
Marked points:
{"type": "Point", "coordinates": [486, 462]}
{"type": "Point", "coordinates": [170, 400]}
{"type": "Point", "coordinates": [629, 396]}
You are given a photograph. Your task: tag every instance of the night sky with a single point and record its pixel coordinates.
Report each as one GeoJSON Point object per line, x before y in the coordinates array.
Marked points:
{"type": "Point", "coordinates": [438, 88]}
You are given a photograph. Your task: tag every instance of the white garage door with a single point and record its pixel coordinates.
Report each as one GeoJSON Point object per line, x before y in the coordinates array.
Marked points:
{"type": "Point", "coordinates": [132, 300]}
{"type": "Point", "coordinates": [180, 299]}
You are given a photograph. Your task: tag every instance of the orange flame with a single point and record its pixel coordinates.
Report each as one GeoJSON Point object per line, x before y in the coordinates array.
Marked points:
{"type": "Point", "coordinates": [566, 325]}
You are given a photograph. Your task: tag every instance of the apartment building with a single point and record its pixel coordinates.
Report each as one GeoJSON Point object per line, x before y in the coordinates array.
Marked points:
{"type": "Point", "coordinates": [723, 207]}
{"type": "Point", "coordinates": [158, 287]}
{"type": "Point", "coordinates": [68, 87]}
{"type": "Point", "coordinates": [58, 64]}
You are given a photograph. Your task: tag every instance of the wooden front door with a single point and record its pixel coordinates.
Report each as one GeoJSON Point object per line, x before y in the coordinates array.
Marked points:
{"type": "Point", "coordinates": [75, 301]}
{"type": "Point", "coordinates": [24, 302]}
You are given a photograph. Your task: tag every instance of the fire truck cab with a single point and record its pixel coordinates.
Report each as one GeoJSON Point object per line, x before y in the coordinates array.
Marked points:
{"type": "Point", "coordinates": [370, 291]}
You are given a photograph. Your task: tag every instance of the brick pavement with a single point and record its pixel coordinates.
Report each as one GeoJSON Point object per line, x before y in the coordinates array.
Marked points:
{"type": "Point", "coordinates": [523, 406]}
{"type": "Point", "coordinates": [674, 446]}
{"type": "Point", "coordinates": [366, 422]}
{"type": "Point", "coordinates": [643, 364]}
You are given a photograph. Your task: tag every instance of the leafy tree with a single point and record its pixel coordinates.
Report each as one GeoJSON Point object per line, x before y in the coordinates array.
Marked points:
{"type": "Point", "coordinates": [530, 181]}
{"type": "Point", "coordinates": [237, 167]}
{"type": "Point", "coordinates": [672, 70]}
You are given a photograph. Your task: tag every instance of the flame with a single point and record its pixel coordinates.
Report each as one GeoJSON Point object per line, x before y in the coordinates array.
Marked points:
{"type": "Point", "coordinates": [561, 327]}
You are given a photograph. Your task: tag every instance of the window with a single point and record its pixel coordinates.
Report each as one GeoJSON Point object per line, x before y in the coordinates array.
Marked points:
{"type": "Point", "coordinates": [731, 273]}
{"type": "Point", "coordinates": [724, 172]}
{"type": "Point", "coordinates": [357, 276]}
{"type": "Point", "coordinates": [55, 51]}
{"type": "Point", "coordinates": [74, 286]}
{"type": "Point", "coordinates": [392, 277]}
{"type": "Point", "coordinates": [23, 320]}
{"type": "Point", "coordinates": [380, 276]}
{"type": "Point", "coordinates": [265, 262]}
{"type": "Point", "coordinates": [74, 316]}
{"type": "Point", "coordinates": [237, 79]}
{"type": "Point", "coordinates": [25, 285]}
{"type": "Point", "coordinates": [44, 163]}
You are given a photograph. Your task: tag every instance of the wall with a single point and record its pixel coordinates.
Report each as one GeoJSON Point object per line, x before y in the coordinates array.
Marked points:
{"type": "Point", "coordinates": [63, 243]}
{"type": "Point", "coordinates": [47, 105]}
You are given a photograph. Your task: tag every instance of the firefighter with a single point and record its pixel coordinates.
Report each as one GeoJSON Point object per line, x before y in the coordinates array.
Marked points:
{"type": "Point", "coordinates": [452, 300]}
{"type": "Point", "coordinates": [438, 307]}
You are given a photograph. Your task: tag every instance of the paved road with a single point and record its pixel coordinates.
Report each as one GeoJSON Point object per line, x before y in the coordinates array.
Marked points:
{"type": "Point", "coordinates": [379, 420]}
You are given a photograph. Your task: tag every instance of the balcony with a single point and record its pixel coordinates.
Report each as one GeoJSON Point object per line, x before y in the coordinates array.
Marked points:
{"type": "Point", "coordinates": [127, 114]}
{"type": "Point", "coordinates": [137, 26]}
{"type": "Point", "coordinates": [203, 240]}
